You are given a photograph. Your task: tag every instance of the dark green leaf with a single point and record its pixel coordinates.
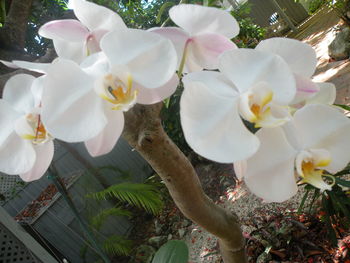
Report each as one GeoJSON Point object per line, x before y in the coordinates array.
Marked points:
{"type": "Point", "coordinates": [174, 251]}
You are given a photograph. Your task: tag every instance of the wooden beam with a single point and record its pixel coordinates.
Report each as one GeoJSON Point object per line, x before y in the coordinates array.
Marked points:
{"type": "Point", "coordinates": [27, 240]}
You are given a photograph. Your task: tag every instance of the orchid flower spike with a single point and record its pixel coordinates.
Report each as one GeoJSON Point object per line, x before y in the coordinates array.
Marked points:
{"type": "Point", "coordinates": [75, 39]}
{"type": "Point", "coordinates": [253, 85]}
{"type": "Point", "coordinates": [204, 34]}
{"type": "Point", "coordinates": [315, 141]}
{"type": "Point", "coordinates": [86, 102]}
{"type": "Point", "coordinates": [302, 61]}
{"type": "Point", "coordinates": [26, 148]}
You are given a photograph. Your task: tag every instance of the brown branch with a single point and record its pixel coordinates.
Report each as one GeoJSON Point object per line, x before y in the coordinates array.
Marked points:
{"type": "Point", "coordinates": [143, 130]}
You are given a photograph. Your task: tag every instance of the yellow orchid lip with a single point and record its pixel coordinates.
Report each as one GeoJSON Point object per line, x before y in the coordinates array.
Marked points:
{"type": "Point", "coordinates": [39, 135]}
{"type": "Point", "coordinates": [255, 107]}
{"type": "Point", "coordinates": [122, 96]}
{"type": "Point", "coordinates": [309, 169]}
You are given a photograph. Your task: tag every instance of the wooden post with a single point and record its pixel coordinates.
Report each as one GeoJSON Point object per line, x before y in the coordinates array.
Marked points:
{"type": "Point", "coordinates": [284, 16]}
{"type": "Point", "coordinates": [27, 240]}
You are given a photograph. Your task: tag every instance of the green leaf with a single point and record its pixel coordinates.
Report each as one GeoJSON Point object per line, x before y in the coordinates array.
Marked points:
{"type": "Point", "coordinates": [174, 251]}
{"type": "Point", "coordinates": [162, 9]}
{"type": "Point", "coordinates": [141, 195]}
{"type": "Point", "coordinates": [98, 219]}
{"type": "Point", "coordinates": [117, 245]}
{"type": "Point", "coordinates": [327, 217]}
{"type": "Point", "coordinates": [345, 107]}
{"type": "Point", "coordinates": [342, 182]}
{"type": "Point", "coordinates": [302, 203]}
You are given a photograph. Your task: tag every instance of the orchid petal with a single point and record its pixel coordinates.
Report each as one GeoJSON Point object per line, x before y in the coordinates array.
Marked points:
{"type": "Point", "coordinates": [326, 95]}
{"type": "Point", "coordinates": [210, 119]}
{"type": "Point", "coordinates": [37, 90]}
{"type": "Point", "coordinates": [7, 118]}
{"type": "Point", "coordinates": [270, 172]}
{"type": "Point", "coordinates": [151, 58]}
{"type": "Point", "coordinates": [323, 127]}
{"type": "Point", "coordinates": [75, 51]}
{"type": "Point", "coordinates": [151, 96]}
{"type": "Point", "coordinates": [207, 47]}
{"type": "Point", "coordinates": [305, 89]}
{"type": "Point", "coordinates": [197, 19]}
{"type": "Point", "coordinates": [240, 168]}
{"type": "Point", "coordinates": [44, 154]}
{"type": "Point", "coordinates": [16, 155]}
{"type": "Point", "coordinates": [105, 141]}
{"type": "Point", "coordinates": [17, 92]}
{"type": "Point", "coordinates": [69, 30]}
{"type": "Point", "coordinates": [300, 57]}
{"type": "Point", "coordinates": [32, 66]}
{"type": "Point", "coordinates": [247, 68]}
{"type": "Point", "coordinates": [96, 17]}
{"type": "Point", "coordinates": [176, 35]}
{"type": "Point", "coordinates": [71, 110]}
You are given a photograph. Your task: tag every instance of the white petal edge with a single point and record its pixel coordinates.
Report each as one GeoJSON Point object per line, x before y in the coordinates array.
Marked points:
{"type": "Point", "coordinates": [151, 59]}
{"type": "Point", "coordinates": [210, 121]}
{"type": "Point", "coordinates": [44, 154]}
{"type": "Point", "coordinates": [17, 92]}
{"type": "Point", "coordinates": [300, 56]}
{"type": "Point", "coordinates": [16, 155]}
{"type": "Point", "coordinates": [270, 172]}
{"type": "Point", "coordinates": [247, 68]}
{"type": "Point", "coordinates": [197, 19]}
{"type": "Point", "coordinates": [151, 96]}
{"type": "Point", "coordinates": [105, 141]}
{"type": "Point", "coordinates": [71, 110]}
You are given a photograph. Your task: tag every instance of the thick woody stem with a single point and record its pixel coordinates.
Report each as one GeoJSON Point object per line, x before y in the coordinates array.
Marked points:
{"type": "Point", "coordinates": [145, 133]}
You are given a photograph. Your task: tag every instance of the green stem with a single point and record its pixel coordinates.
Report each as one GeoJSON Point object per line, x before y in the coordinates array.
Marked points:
{"type": "Point", "coordinates": [53, 176]}
{"type": "Point", "coordinates": [183, 60]}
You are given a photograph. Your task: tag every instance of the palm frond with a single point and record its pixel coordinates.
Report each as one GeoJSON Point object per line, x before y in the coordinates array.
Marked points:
{"type": "Point", "coordinates": [117, 245]}
{"type": "Point", "coordinates": [141, 195]}
{"type": "Point", "coordinates": [98, 219]}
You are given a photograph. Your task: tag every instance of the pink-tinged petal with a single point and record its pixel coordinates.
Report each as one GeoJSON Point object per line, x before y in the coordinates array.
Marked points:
{"type": "Point", "coordinates": [104, 142]}
{"type": "Point", "coordinates": [44, 154]}
{"type": "Point", "coordinates": [197, 19]}
{"type": "Point", "coordinates": [177, 36]}
{"type": "Point", "coordinates": [151, 96]}
{"type": "Point", "coordinates": [240, 168]}
{"type": "Point", "coordinates": [96, 17]}
{"type": "Point", "coordinates": [247, 68]}
{"type": "Point", "coordinates": [7, 119]}
{"type": "Point", "coordinates": [270, 172]}
{"type": "Point", "coordinates": [300, 57]}
{"type": "Point", "coordinates": [326, 94]}
{"type": "Point", "coordinates": [68, 30]}
{"type": "Point", "coordinates": [305, 89]}
{"type": "Point", "coordinates": [206, 49]}
{"type": "Point", "coordinates": [16, 155]}
{"type": "Point", "coordinates": [151, 59]}
{"type": "Point", "coordinates": [71, 110]}
{"type": "Point", "coordinates": [210, 119]}
{"type": "Point", "coordinates": [324, 127]}
{"type": "Point", "coordinates": [75, 51]}
{"type": "Point", "coordinates": [17, 92]}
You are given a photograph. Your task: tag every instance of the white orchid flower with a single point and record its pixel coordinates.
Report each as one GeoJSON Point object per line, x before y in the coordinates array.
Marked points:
{"type": "Point", "coordinates": [86, 103]}
{"type": "Point", "coordinates": [302, 61]}
{"type": "Point", "coordinates": [204, 34]}
{"type": "Point", "coordinates": [315, 141]}
{"type": "Point", "coordinates": [75, 39]}
{"type": "Point", "coordinates": [25, 146]}
{"type": "Point", "coordinates": [253, 85]}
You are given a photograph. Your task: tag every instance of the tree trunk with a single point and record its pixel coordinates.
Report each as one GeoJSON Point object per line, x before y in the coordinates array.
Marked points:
{"type": "Point", "coordinates": [144, 132]}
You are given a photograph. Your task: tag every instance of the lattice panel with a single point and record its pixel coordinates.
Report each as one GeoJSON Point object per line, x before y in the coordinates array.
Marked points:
{"type": "Point", "coordinates": [9, 186]}
{"type": "Point", "coordinates": [12, 250]}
